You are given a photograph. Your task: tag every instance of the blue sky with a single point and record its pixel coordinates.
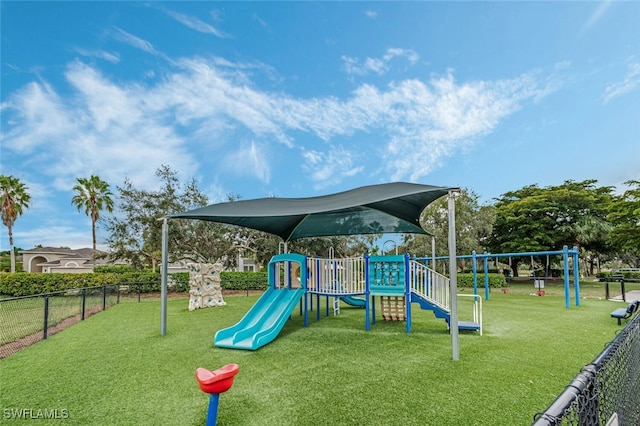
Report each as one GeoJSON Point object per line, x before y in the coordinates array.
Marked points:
{"type": "Point", "coordinates": [297, 99]}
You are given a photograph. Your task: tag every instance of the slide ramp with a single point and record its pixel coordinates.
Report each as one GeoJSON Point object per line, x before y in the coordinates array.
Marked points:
{"type": "Point", "coordinates": [263, 322]}
{"type": "Point", "coordinates": [358, 302]}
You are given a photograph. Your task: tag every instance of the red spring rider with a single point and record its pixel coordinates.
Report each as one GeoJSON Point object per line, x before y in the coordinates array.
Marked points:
{"type": "Point", "coordinates": [214, 383]}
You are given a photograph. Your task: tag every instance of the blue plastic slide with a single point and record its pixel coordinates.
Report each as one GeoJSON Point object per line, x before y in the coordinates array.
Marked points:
{"type": "Point", "coordinates": [353, 301]}
{"type": "Point", "coordinates": [263, 322]}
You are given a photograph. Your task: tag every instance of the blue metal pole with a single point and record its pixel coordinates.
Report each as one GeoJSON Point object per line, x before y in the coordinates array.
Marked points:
{"type": "Point", "coordinates": [565, 257]}
{"type": "Point", "coordinates": [407, 290]}
{"type": "Point", "coordinates": [474, 268]}
{"type": "Point", "coordinates": [486, 275]}
{"type": "Point", "coordinates": [212, 414]}
{"type": "Point", "coordinates": [576, 274]}
{"type": "Point", "coordinates": [367, 307]}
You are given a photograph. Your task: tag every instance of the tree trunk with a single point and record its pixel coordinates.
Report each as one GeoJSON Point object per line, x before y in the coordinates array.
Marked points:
{"type": "Point", "coordinates": [13, 254]}
{"type": "Point", "coordinates": [514, 267]}
{"type": "Point", "coordinates": [93, 234]}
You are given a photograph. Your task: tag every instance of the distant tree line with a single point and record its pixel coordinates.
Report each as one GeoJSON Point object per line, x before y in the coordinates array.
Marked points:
{"type": "Point", "coordinates": [605, 226]}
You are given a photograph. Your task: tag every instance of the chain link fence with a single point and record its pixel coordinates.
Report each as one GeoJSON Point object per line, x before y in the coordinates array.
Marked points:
{"type": "Point", "coordinates": [26, 320]}
{"type": "Point", "coordinates": [605, 392]}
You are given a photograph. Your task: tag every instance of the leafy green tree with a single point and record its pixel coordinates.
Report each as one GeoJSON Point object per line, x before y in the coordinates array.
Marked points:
{"type": "Point", "coordinates": [136, 231]}
{"type": "Point", "coordinates": [14, 199]}
{"type": "Point", "coordinates": [5, 260]}
{"type": "Point", "coordinates": [624, 215]}
{"type": "Point", "coordinates": [473, 226]}
{"type": "Point", "coordinates": [541, 219]}
{"type": "Point", "coordinates": [93, 195]}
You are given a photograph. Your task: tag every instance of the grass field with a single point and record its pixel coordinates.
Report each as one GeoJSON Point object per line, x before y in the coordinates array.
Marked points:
{"type": "Point", "coordinates": [115, 368]}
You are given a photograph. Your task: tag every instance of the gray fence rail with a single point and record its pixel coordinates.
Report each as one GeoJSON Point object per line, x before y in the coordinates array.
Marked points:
{"type": "Point", "coordinates": [605, 392]}
{"type": "Point", "coordinates": [26, 320]}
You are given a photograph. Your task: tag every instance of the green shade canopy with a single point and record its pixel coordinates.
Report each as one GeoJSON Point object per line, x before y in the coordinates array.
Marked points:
{"type": "Point", "coordinates": [376, 209]}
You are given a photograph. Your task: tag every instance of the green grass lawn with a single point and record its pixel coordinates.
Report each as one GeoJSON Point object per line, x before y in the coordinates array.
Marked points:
{"type": "Point", "coordinates": [115, 368]}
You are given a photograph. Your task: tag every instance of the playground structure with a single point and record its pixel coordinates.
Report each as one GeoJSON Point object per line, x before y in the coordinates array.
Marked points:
{"type": "Point", "coordinates": [393, 207]}
{"type": "Point", "coordinates": [566, 253]}
{"type": "Point", "coordinates": [397, 281]}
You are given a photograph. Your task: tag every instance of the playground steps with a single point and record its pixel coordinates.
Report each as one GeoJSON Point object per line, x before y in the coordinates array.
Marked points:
{"type": "Point", "coordinates": [468, 325]}
{"type": "Point", "coordinates": [393, 308]}
{"type": "Point", "coordinates": [444, 314]}
{"type": "Point", "coordinates": [425, 304]}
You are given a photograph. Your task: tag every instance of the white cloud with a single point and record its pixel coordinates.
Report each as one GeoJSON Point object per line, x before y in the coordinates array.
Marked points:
{"type": "Point", "coordinates": [353, 66]}
{"type": "Point", "coordinates": [40, 117]}
{"type": "Point", "coordinates": [263, 24]}
{"type": "Point", "coordinates": [248, 160]}
{"type": "Point", "coordinates": [125, 37]}
{"type": "Point", "coordinates": [195, 23]}
{"type": "Point", "coordinates": [371, 14]}
{"type": "Point", "coordinates": [120, 129]}
{"type": "Point", "coordinates": [329, 167]}
{"type": "Point", "coordinates": [114, 58]}
{"type": "Point", "coordinates": [52, 235]}
{"type": "Point", "coordinates": [630, 82]}
{"type": "Point", "coordinates": [597, 14]}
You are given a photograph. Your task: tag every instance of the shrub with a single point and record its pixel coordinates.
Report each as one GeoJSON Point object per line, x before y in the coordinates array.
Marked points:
{"type": "Point", "coordinates": [117, 269]}
{"type": "Point", "coordinates": [28, 284]}
{"type": "Point", "coordinates": [495, 280]}
{"type": "Point", "coordinates": [179, 282]}
{"type": "Point", "coordinates": [244, 280]}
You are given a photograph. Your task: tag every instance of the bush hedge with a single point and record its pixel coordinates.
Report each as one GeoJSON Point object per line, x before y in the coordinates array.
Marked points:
{"type": "Point", "coordinates": [495, 280]}
{"type": "Point", "coordinates": [26, 284]}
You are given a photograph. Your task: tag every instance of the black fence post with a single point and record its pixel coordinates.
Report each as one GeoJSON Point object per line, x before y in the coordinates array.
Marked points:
{"type": "Point", "coordinates": [139, 285]}
{"type": "Point", "coordinates": [84, 302]}
{"type": "Point", "coordinates": [104, 297]}
{"type": "Point", "coordinates": [118, 299]}
{"type": "Point", "coordinates": [46, 317]}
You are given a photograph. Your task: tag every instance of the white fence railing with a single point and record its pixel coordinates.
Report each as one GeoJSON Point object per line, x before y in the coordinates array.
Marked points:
{"type": "Point", "coordinates": [429, 284]}
{"type": "Point", "coordinates": [336, 276]}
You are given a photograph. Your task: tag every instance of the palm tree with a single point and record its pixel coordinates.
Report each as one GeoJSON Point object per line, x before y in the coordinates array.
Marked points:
{"type": "Point", "coordinates": [15, 199]}
{"type": "Point", "coordinates": [93, 195]}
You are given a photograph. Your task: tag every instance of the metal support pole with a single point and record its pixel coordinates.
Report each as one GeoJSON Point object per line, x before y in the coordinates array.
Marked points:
{"type": "Point", "coordinates": [567, 292]}
{"type": "Point", "coordinates": [212, 413]}
{"type": "Point", "coordinates": [433, 252]}
{"type": "Point", "coordinates": [84, 302]}
{"type": "Point", "coordinates": [474, 268]}
{"type": "Point", "coordinates": [485, 265]}
{"type": "Point", "coordinates": [46, 317]}
{"type": "Point", "coordinates": [576, 275]}
{"type": "Point", "coordinates": [407, 291]}
{"type": "Point", "coordinates": [163, 282]}
{"type": "Point", "coordinates": [453, 277]}
{"type": "Point", "coordinates": [367, 298]}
